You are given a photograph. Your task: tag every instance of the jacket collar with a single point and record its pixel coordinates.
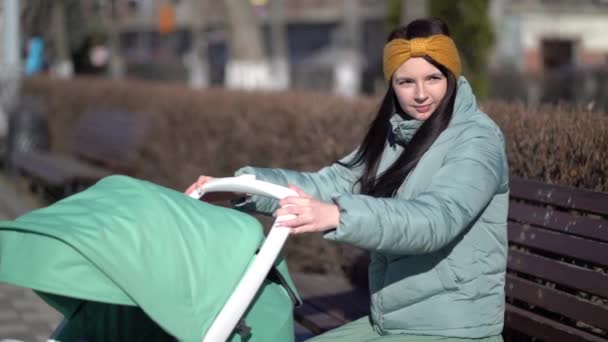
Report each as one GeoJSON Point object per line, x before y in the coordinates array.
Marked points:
{"type": "Point", "coordinates": [402, 130]}
{"type": "Point", "coordinates": [465, 103]}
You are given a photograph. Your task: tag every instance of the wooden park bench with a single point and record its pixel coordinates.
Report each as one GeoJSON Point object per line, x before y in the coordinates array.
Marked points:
{"type": "Point", "coordinates": [100, 143]}
{"type": "Point", "coordinates": [557, 279]}
{"type": "Point", "coordinates": [557, 285]}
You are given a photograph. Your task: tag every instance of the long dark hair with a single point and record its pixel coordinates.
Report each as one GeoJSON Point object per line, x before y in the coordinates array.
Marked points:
{"type": "Point", "coordinates": [370, 151]}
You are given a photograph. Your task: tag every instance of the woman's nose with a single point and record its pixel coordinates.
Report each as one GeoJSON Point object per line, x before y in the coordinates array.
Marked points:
{"type": "Point", "coordinates": [420, 95]}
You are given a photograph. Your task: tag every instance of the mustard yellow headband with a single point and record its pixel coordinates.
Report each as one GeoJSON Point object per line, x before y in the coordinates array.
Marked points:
{"type": "Point", "coordinates": [441, 48]}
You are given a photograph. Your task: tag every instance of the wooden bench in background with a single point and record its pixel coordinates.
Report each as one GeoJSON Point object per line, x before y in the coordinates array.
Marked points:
{"type": "Point", "coordinates": [557, 279]}
{"type": "Point", "coordinates": [328, 302]}
{"type": "Point", "coordinates": [100, 143]}
{"type": "Point", "coordinates": [557, 284]}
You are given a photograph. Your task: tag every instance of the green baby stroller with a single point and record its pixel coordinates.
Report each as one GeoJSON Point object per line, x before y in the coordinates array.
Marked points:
{"type": "Point", "coordinates": [129, 260]}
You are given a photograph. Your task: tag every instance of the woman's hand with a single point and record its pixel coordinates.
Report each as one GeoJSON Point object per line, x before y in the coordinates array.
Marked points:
{"type": "Point", "coordinates": [199, 183]}
{"type": "Point", "coordinates": [311, 214]}
{"type": "Point", "coordinates": [212, 196]}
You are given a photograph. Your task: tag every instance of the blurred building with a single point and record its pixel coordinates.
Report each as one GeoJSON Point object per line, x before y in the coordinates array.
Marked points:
{"type": "Point", "coordinates": [314, 36]}
{"type": "Point", "coordinates": [550, 50]}
{"type": "Point", "coordinates": [546, 50]}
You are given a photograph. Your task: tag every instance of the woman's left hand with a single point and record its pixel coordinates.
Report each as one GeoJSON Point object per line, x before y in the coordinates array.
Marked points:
{"type": "Point", "coordinates": [311, 214]}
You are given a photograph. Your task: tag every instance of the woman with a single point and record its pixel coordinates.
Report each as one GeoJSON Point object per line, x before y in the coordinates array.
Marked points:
{"type": "Point", "coordinates": [426, 193]}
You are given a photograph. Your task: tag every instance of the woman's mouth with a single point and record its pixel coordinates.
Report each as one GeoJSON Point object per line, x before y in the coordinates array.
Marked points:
{"type": "Point", "coordinates": [423, 109]}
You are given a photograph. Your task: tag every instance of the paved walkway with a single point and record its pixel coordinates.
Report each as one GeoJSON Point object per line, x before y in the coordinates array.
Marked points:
{"type": "Point", "coordinates": [23, 315]}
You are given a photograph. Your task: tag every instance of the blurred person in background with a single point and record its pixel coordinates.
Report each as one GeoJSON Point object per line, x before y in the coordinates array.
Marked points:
{"type": "Point", "coordinates": [35, 56]}
{"type": "Point", "coordinates": [426, 193]}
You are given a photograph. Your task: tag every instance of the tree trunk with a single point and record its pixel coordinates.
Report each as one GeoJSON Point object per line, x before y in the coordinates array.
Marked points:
{"type": "Point", "coordinates": [62, 66]}
{"type": "Point", "coordinates": [347, 70]}
{"type": "Point", "coordinates": [117, 63]}
{"type": "Point", "coordinates": [10, 65]}
{"type": "Point", "coordinates": [279, 60]}
{"type": "Point", "coordinates": [247, 66]}
{"type": "Point", "coordinates": [197, 63]}
{"type": "Point", "coordinates": [414, 9]}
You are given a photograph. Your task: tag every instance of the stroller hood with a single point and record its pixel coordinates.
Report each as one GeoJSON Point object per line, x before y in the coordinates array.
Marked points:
{"type": "Point", "coordinates": [131, 242]}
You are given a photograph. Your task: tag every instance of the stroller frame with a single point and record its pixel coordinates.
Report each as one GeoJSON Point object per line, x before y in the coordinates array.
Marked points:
{"type": "Point", "coordinates": [250, 283]}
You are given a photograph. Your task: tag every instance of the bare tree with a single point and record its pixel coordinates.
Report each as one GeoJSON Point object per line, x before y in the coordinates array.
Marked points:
{"type": "Point", "coordinates": [62, 66]}
{"type": "Point", "coordinates": [247, 67]}
{"type": "Point", "coordinates": [197, 61]}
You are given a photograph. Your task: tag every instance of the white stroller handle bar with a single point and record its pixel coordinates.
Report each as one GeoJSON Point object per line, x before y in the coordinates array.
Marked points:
{"type": "Point", "coordinates": [239, 301]}
{"type": "Point", "coordinates": [245, 184]}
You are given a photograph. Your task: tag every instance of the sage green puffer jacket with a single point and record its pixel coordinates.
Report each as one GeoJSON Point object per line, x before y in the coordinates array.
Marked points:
{"type": "Point", "coordinates": [439, 248]}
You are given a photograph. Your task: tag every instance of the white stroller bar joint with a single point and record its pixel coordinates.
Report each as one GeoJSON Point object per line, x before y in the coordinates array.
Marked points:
{"type": "Point", "coordinates": [239, 301]}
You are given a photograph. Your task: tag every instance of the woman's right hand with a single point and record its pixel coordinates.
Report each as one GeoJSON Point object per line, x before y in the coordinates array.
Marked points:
{"type": "Point", "coordinates": [198, 184]}
{"type": "Point", "coordinates": [212, 196]}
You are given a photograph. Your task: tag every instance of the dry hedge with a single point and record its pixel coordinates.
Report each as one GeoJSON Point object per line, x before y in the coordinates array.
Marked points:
{"type": "Point", "coordinates": [215, 131]}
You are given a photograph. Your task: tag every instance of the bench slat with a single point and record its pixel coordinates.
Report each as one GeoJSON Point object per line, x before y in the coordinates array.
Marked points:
{"type": "Point", "coordinates": [558, 302]}
{"type": "Point", "coordinates": [110, 139]}
{"type": "Point", "coordinates": [560, 221]}
{"type": "Point", "coordinates": [561, 196]}
{"type": "Point", "coordinates": [562, 244]}
{"type": "Point", "coordinates": [302, 332]}
{"type": "Point", "coordinates": [535, 325]}
{"type": "Point", "coordinates": [57, 170]}
{"type": "Point", "coordinates": [559, 272]}
{"type": "Point", "coordinates": [316, 320]}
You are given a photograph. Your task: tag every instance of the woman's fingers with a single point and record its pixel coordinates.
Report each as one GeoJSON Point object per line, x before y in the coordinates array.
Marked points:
{"type": "Point", "coordinates": [312, 216]}
{"type": "Point", "coordinates": [299, 191]}
{"type": "Point", "coordinates": [293, 200]}
{"type": "Point", "coordinates": [191, 188]}
{"type": "Point", "coordinates": [298, 221]}
{"type": "Point", "coordinates": [300, 224]}
{"type": "Point", "coordinates": [202, 180]}
{"type": "Point", "coordinates": [199, 182]}
{"type": "Point", "coordinates": [291, 210]}
{"type": "Point", "coordinates": [304, 229]}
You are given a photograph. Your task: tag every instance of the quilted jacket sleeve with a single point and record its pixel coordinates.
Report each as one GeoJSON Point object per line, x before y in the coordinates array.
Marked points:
{"type": "Point", "coordinates": [323, 184]}
{"type": "Point", "coordinates": [473, 172]}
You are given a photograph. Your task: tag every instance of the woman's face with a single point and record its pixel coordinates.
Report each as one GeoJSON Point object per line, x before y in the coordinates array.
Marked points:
{"type": "Point", "coordinates": [419, 87]}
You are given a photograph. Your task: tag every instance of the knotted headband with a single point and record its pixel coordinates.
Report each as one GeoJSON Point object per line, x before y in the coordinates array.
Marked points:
{"type": "Point", "coordinates": [440, 48]}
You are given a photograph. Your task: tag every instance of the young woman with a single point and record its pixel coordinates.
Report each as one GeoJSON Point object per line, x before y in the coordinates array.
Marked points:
{"type": "Point", "coordinates": [426, 193]}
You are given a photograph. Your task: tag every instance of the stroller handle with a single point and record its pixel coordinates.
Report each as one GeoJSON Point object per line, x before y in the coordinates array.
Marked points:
{"type": "Point", "coordinates": [245, 184]}
{"type": "Point", "coordinates": [239, 301]}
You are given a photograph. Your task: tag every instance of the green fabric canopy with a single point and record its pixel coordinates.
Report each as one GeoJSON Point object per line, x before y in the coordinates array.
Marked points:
{"type": "Point", "coordinates": [131, 242]}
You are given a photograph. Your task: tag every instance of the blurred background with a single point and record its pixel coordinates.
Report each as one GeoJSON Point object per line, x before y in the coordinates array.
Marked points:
{"type": "Point", "coordinates": [531, 50]}
{"type": "Point", "coordinates": [166, 90]}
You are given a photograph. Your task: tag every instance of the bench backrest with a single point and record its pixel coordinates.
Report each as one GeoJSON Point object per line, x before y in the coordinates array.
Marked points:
{"type": "Point", "coordinates": [109, 138]}
{"type": "Point", "coordinates": [557, 281]}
